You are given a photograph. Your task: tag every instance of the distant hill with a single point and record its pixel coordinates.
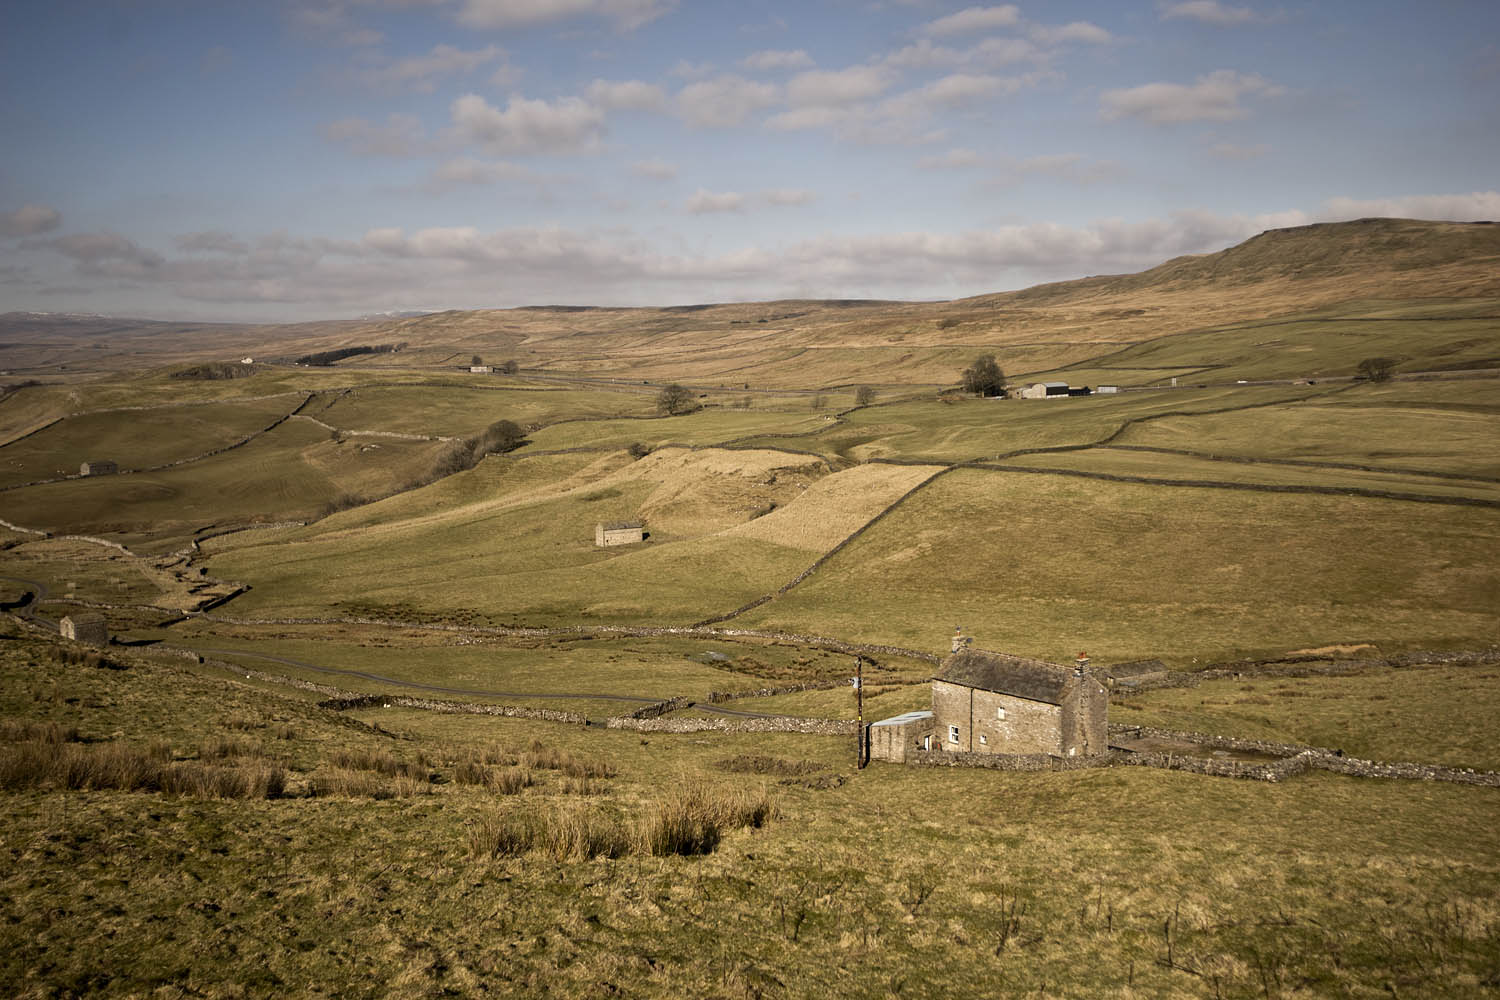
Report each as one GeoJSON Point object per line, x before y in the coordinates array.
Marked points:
{"type": "Point", "coordinates": [1361, 266]}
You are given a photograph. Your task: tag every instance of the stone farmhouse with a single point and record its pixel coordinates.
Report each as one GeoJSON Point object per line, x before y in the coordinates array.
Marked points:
{"type": "Point", "coordinates": [86, 627]}
{"type": "Point", "coordinates": [1053, 390]}
{"type": "Point", "coordinates": [988, 702]}
{"type": "Point", "coordinates": [104, 467]}
{"type": "Point", "coordinates": [607, 533]}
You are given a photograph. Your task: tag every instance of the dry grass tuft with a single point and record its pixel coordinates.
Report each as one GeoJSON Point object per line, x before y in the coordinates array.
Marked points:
{"type": "Point", "coordinates": [122, 767]}
{"type": "Point", "coordinates": [27, 731]}
{"type": "Point", "coordinates": [342, 782]}
{"type": "Point", "coordinates": [382, 763]}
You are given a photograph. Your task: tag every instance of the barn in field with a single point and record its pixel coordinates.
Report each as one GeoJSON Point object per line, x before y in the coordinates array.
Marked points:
{"type": "Point", "coordinates": [103, 467]}
{"type": "Point", "coordinates": [608, 533]}
{"type": "Point", "coordinates": [86, 627]}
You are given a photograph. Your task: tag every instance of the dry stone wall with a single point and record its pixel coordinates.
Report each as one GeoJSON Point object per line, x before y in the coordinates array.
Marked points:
{"type": "Point", "coordinates": [772, 724]}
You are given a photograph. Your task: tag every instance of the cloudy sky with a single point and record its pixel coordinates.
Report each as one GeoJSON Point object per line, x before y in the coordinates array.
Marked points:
{"type": "Point", "coordinates": [304, 159]}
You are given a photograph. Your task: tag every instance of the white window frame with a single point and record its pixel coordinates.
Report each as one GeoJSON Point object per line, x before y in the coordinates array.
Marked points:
{"type": "Point", "coordinates": [984, 740]}
{"type": "Point", "coordinates": [1000, 714]}
{"type": "Point", "coordinates": [952, 734]}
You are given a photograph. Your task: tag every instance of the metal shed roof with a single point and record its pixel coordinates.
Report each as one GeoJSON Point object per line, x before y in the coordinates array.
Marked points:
{"type": "Point", "coordinates": [901, 720]}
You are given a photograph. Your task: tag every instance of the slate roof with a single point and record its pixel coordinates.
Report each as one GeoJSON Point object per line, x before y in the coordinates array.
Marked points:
{"type": "Point", "coordinates": [1034, 680]}
{"type": "Point", "coordinates": [619, 525]}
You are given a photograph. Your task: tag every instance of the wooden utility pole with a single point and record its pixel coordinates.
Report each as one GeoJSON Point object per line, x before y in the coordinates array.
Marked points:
{"type": "Point", "coordinates": [859, 711]}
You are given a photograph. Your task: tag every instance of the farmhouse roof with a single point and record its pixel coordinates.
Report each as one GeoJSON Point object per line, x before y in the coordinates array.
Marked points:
{"type": "Point", "coordinates": [901, 720]}
{"type": "Point", "coordinates": [1054, 385]}
{"type": "Point", "coordinates": [1034, 680]}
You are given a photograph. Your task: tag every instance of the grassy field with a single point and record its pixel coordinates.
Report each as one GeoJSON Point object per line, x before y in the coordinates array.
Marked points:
{"type": "Point", "coordinates": [1436, 715]}
{"type": "Point", "coordinates": [137, 440]}
{"type": "Point", "coordinates": [1035, 564]}
{"type": "Point", "coordinates": [367, 875]}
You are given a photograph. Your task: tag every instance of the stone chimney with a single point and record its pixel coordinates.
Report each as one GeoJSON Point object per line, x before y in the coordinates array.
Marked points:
{"type": "Point", "coordinates": [1083, 664]}
{"type": "Point", "coordinates": [961, 642]}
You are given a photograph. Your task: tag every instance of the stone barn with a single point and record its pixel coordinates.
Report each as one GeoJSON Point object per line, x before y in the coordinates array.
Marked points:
{"type": "Point", "coordinates": [86, 628]}
{"type": "Point", "coordinates": [988, 702]}
{"type": "Point", "coordinates": [607, 533]}
{"type": "Point", "coordinates": [1046, 390]}
{"type": "Point", "coordinates": [103, 467]}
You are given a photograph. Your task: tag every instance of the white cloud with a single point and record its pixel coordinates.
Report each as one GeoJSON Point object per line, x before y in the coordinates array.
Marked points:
{"type": "Point", "coordinates": [212, 241]}
{"type": "Point", "coordinates": [835, 87]}
{"type": "Point", "coordinates": [1215, 97]}
{"type": "Point", "coordinates": [1234, 151]}
{"type": "Point", "coordinates": [806, 119]}
{"type": "Point", "coordinates": [420, 73]}
{"type": "Point", "coordinates": [953, 159]}
{"type": "Point", "coordinates": [626, 95]}
{"type": "Point", "coordinates": [974, 20]}
{"type": "Point", "coordinates": [465, 267]}
{"type": "Point", "coordinates": [1477, 206]}
{"type": "Point", "coordinates": [723, 101]}
{"type": "Point", "coordinates": [1208, 11]}
{"type": "Point", "coordinates": [703, 202]}
{"type": "Point", "coordinates": [401, 135]}
{"type": "Point", "coordinates": [1076, 31]}
{"type": "Point", "coordinates": [789, 196]}
{"type": "Point", "coordinates": [657, 169]}
{"type": "Point", "coordinates": [626, 14]}
{"type": "Point", "coordinates": [774, 60]}
{"type": "Point", "coordinates": [29, 220]}
{"type": "Point", "coordinates": [566, 125]}
{"type": "Point", "coordinates": [465, 171]}
{"type": "Point", "coordinates": [690, 70]}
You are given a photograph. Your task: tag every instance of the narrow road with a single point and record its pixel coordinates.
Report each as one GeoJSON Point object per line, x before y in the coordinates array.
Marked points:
{"type": "Point", "coordinates": [29, 610]}
{"type": "Point", "coordinates": [415, 685]}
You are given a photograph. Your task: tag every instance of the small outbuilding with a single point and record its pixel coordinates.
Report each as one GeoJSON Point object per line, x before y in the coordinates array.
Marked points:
{"type": "Point", "coordinates": [892, 739]}
{"type": "Point", "coordinates": [86, 627]}
{"type": "Point", "coordinates": [103, 467]}
{"type": "Point", "coordinates": [480, 369]}
{"type": "Point", "coordinates": [607, 533]}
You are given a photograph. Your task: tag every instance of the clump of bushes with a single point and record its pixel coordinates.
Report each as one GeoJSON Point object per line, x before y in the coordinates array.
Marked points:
{"type": "Point", "coordinates": [213, 371]}
{"type": "Point", "coordinates": [325, 358]}
{"type": "Point", "coordinates": [82, 658]}
{"type": "Point", "coordinates": [496, 439]}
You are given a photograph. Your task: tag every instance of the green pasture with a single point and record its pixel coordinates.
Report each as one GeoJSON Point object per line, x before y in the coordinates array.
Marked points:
{"type": "Point", "coordinates": [708, 426]}
{"type": "Point", "coordinates": [966, 429]}
{"type": "Point", "coordinates": [654, 668]}
{"type": "Point", "coordinates": [1407, 425]}
{"type": "Point", "coordinates": [287, 473]}
{"type": "Point", "coordinates": [1431, 715]}
{"type": "Point", "coordinates": [887, 693]}
{"type": "Point", "coordinates": [457, 410]}
{"type": "Point", "coordinates": [1169, 467]}
{"type": "Point", "coordinates": [1046, 566]}
{"type": "Point", "coordinates": [1127, 881]}
{"type": "Point", "coordinates": [137, 439]}
{"type": "Point", "coordinates": [1315, 347]}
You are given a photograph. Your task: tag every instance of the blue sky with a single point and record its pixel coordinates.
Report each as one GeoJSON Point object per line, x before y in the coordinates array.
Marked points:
{"type": "Point", "coordinates": [267, 160]}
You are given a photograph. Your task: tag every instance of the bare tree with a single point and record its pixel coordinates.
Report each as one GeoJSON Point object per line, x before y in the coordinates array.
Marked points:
{"type": "Point", "coordinates": [675, 400]}
{"type": "Point", "coordinates": [864, 395]}
{"type": "Point", "coordinates": [1378, 369]}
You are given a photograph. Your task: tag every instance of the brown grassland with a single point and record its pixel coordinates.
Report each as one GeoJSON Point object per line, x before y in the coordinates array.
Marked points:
{"type": "Point", "coordinates": [185, 827]}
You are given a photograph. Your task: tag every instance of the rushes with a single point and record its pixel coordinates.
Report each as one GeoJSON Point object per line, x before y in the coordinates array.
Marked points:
{"type": "Point", "coordinates": [123, 767]}
{"type": "Point", "coordinates": [690, 821]}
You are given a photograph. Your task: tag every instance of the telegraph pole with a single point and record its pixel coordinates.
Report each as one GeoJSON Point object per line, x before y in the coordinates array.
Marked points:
{"type": "Point", "coordinates": [859, 711]}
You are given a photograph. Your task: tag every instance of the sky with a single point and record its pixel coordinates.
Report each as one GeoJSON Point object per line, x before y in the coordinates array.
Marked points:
{"type": "Point", "coordinates": [284, 160]}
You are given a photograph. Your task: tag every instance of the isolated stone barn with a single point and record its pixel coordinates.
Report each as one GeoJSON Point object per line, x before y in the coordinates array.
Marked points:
{"type": "Point", "coordinates": [85, 627]}
{"type": "Point", "coordinates": [607, 533]}
{"type": "Point", "coordinates": [104, 467]}
{"type": "Point", "coordinates": [988, 702]}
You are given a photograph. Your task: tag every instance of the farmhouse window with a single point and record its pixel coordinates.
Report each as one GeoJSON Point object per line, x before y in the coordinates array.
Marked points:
{"type": "Point", "coordinates": [984, 740]}
{"type": "Point", "coordinates": [952, 734]}
{"type": "Point", "coordinates": [1000, 714]}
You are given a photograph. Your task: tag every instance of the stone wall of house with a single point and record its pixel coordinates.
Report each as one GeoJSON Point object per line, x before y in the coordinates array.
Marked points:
{"type": "Point", "coordinates": [1007, 761]}
{"type": "Point", "coordinates": [1028, 726]}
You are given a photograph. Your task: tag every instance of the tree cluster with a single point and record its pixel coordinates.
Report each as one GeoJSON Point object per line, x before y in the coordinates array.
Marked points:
{"type": "Point", "coordinates": [1377, 369]}
{"type": "Point", "coordinates": [984, 377]}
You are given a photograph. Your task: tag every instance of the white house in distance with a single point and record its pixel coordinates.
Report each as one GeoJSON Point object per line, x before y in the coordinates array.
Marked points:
{"type": "Point", "coordinates": [1045, 390]}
